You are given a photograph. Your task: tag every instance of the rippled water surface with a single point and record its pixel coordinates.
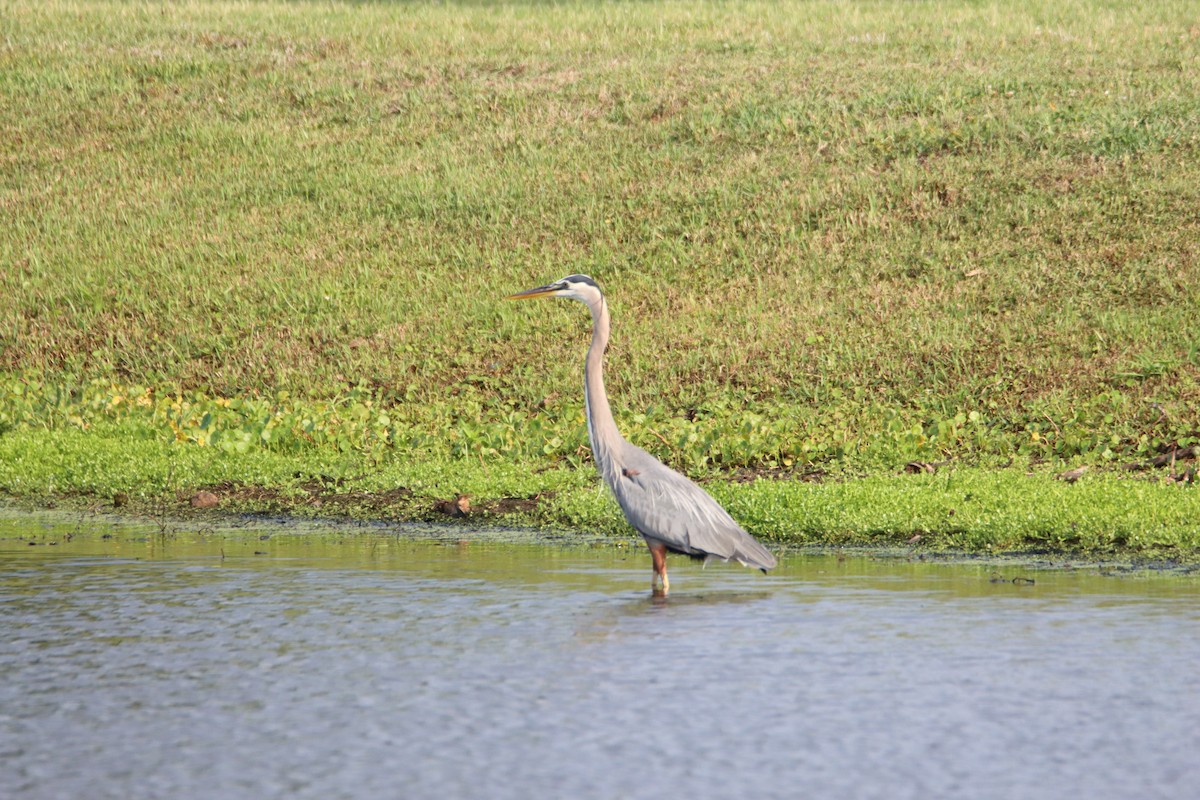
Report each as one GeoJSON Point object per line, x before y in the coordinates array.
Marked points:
{"type": "Point", "coordinates": [354, 664]}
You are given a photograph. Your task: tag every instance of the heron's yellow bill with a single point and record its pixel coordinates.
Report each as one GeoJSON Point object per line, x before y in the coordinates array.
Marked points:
{"type": "Point", "coordinates": [529, 294]}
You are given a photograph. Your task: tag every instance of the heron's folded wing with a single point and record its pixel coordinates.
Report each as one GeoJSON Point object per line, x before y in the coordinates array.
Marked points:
{"type": "Point", "coordinates": [667, 506]}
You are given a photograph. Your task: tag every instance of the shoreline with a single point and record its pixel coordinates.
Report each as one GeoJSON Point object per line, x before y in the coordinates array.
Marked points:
{"type": "Point", "coordinates": [965, 513]}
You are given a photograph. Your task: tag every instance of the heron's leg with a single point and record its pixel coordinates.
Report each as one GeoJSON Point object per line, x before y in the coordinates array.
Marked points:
{"type": "Point", "coordinates": [658, 554]}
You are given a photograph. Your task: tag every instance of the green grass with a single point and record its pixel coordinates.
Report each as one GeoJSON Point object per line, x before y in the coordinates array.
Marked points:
{"type": "Point", "coordinates": [835, 236]}
{"type": "Point", "coordinates": [965, 509]}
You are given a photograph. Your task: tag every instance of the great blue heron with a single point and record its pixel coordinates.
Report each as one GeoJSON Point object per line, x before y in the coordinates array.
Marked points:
{"type": "Point", "coordinates": [670, 512]}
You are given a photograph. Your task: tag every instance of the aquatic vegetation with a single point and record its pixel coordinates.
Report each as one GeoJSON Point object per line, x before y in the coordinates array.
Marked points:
{"type": "Point", "coordinates": [719, 437]}
{"type": "Point", "coordinates": [958, 508]}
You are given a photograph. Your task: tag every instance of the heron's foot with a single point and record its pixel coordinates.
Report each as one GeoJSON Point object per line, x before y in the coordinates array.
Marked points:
{"type": "Point", "coordinates": [659, 583]}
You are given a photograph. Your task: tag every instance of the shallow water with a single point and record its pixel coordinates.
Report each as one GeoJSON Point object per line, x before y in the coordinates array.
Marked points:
{"type": "Point", "coordinates": [354, 663]}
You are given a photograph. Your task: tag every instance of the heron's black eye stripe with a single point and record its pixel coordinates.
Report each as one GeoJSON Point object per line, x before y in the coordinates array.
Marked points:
{"type": "Point", "coordinates": [580, 279]}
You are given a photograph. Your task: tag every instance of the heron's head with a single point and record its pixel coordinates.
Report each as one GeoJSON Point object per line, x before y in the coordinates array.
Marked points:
{"type": "Point", "coordinates": [577, 287]}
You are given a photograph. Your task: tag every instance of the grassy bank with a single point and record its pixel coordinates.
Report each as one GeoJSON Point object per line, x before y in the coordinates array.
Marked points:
{"type": "Point", "coordinates": [971, 509]}
{"type": "Point", "coordinates": [271, 239]}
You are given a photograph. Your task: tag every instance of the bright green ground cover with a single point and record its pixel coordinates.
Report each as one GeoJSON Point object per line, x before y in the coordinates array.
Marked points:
{"type": "Point", "coordinates": [242, 241]}
{"type": "Point", "coordinates": [963, 509]}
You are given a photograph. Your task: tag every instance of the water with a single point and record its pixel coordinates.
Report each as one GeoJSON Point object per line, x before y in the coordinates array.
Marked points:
{"type": "Point", "coordinates": [350, 664]}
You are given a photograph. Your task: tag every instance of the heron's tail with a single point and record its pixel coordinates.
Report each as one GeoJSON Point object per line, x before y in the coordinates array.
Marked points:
{"type": "Point", "coordinates": [749, 553]}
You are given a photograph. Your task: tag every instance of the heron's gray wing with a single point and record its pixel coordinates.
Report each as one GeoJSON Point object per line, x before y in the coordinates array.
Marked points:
{"type": "Point", "coordinates": [664, 505]}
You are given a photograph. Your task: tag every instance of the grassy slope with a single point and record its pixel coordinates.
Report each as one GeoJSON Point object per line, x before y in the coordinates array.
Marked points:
{"type": "Point", "coordinates": [835, 235]}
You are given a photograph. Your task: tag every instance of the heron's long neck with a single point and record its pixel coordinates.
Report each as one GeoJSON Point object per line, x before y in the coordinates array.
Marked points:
{"type": "Point", "coordinates": [602, 430]}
